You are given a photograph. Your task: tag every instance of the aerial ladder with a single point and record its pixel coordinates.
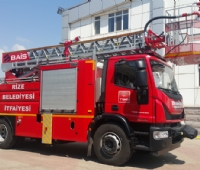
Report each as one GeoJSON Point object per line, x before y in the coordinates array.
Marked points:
{"type": "Point", "coordinates": [70, 51]}
{"type": "Point", "coordinates": [181, 48]}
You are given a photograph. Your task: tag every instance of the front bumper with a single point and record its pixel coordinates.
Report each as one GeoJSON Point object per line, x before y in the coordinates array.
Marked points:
{"type": "Point", "coordinates": [176, 137]}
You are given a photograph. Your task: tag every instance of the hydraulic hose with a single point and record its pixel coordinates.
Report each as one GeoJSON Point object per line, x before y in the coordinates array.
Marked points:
{"type": "Point", "coordinates": [156, 18]}
{"type": "Point", "coordinates": [170, 17]}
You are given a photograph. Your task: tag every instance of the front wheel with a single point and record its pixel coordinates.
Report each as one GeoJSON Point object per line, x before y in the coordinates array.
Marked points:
{"type": "Point", "coordinates": [7, 139]}
{"type": "Point", "coordinates": [111, 145]}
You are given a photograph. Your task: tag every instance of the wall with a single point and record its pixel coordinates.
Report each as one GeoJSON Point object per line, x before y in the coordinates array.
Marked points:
{"type": "Point", "coordinates": [139, 13]}
{"type": "Point", "coordinates": [88, 23]}
{"type": "Point", "coordinates": [83, 16]}
{"type": "Point", "coordinates": [187, 78]}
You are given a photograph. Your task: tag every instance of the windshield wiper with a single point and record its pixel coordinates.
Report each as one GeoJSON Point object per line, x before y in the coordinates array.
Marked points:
{"type": "Point", "coordinates": [176, 92]}
{"type": "Point", "coordinates": [169, 90]}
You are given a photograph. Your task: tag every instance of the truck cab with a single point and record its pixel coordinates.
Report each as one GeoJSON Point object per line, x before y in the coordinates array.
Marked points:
{"type": "Point", "coordinates": [139, 93]}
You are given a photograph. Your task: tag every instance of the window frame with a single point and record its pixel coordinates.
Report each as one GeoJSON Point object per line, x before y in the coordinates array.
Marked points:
{"type": "Point", "coordinates": [111, 17]}
{"type": "Point", "coordinates": [97, 19]}
{"type": "Point", "coordinates": [116, 15]}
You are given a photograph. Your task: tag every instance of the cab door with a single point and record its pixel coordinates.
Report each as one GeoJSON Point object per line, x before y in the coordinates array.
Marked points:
{"type": "Point", "coordinates": [122, 96]}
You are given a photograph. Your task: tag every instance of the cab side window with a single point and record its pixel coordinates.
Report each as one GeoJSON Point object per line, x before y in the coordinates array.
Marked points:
{"type": "Point", "coordinates": [125, 74]}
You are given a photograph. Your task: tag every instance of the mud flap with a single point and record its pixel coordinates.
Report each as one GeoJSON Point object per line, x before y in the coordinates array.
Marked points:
{"type": "Point", "coordinates": [90, 147]}
{"type": "Point", "coordinates": [189, 132]}
{"type": "Point", "coordinates": [47, 129]}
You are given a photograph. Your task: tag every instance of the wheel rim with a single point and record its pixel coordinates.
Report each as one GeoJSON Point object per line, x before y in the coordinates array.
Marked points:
{"type": "Point", "coordinates": [3, 132]}
{"type": "Point", "coordinates": [111, 144]}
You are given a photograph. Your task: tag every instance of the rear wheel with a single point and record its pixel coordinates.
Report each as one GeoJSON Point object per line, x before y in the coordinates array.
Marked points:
{"type": "Point", "coordinates": [7, 139]}
{"type": "Point", "coordinates": [111, 145]}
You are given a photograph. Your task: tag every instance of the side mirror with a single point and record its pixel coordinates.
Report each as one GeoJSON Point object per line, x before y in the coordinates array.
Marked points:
{"type": "Point", "coordinates": [141, 74]}
{"type": "Point", "coordinates": [141, 82]}
{"type": "Point", "coordinates": [141, 65]}
{"type": "Point", "coordinates": [141, 78]}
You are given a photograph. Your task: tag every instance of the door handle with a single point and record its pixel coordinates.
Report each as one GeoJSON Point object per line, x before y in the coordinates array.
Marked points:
{"type": "Point", "coordinates": [115, 108]}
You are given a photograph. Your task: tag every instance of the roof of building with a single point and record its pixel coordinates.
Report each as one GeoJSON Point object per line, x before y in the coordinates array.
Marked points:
{"type": "Point", "coordinates": [77, 5]}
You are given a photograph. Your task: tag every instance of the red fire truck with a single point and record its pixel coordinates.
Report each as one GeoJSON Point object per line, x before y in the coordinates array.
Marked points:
{"type": "Point", "coordinates": [61, 94]}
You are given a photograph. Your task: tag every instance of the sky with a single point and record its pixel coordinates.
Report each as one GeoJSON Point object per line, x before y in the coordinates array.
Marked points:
{"type": "Point", "coordinates": [26, 24]}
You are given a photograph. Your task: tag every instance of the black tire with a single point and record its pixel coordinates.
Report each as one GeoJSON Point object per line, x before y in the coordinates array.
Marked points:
{"type": "Point", "coordinates": [114, 134]}
{"type": "Point", "coordinates": [8, 140]}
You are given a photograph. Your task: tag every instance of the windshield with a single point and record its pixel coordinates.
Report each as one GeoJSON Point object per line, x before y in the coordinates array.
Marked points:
{"type": "Point", "coordinates": [163, 77]}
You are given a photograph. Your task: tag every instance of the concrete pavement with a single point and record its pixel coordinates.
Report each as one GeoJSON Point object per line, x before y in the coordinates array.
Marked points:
{"type": "Point", "coordinates": [33, 156]}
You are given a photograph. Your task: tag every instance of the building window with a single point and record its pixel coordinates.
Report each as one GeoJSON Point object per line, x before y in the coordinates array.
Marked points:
{"type": "Point", "coordinates": [111, 23]}
{"type": "Point", "coordinates": [118, 21]}
{"type": "Point", "coordinates": [97, 25]}
{"type": "Point", "coordinates": [125, 20]}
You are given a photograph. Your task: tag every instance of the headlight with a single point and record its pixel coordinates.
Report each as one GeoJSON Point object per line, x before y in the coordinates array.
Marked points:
{"type": "Point", "coordinates": [160, 135]}
{"type": "Point", "coordinates": [183, 122]}
{"type": "Point", "coordinates": [177, 104]}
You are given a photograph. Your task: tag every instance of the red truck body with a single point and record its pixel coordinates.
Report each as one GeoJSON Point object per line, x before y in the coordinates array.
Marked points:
{"type": "Point", "coordinates": [22, 100]}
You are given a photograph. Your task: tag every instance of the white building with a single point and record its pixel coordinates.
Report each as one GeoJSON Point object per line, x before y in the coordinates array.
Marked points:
{"type": "Point", "coordinates": [100, 18]}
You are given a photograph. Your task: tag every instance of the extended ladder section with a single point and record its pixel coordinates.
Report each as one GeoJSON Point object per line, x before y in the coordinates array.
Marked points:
{"type": "Point", "coordinates": [73, 50]}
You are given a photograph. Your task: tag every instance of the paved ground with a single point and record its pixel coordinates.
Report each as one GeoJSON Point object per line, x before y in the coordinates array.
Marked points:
{"type": "Point", "coordinates": [73, 157]}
